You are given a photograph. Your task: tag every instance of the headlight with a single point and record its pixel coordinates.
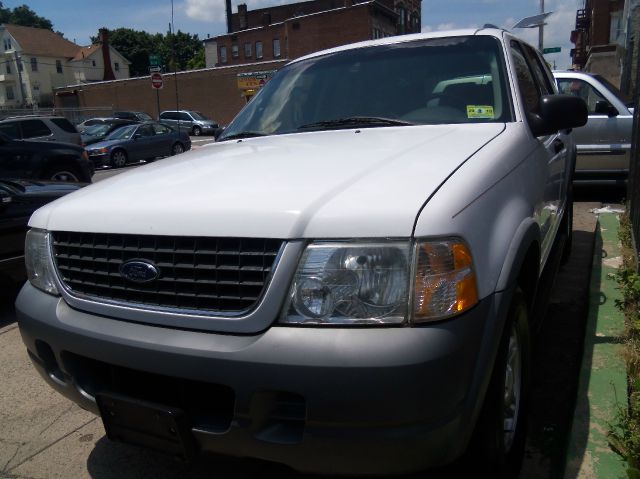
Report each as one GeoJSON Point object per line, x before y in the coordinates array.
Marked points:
{"type": "Point", "coordinates": [445, 281]}
{"type": "Point", "coordinates": [38, 261]}
{"type": "Point", "coordinates": [98, 151]}
{"type": "Point", "coordinates": [350, 283]}
{"type": "Point", "coordinates": [370, 283]}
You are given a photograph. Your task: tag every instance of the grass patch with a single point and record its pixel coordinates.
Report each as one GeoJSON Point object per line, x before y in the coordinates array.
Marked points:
{"type": "Point", "coordinates": [624, 437]}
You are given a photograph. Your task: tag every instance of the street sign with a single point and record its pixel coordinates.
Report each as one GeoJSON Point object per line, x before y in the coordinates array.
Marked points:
{"type": "Point", "coordinates": [154, 60]}
{"type": "Point", "coordinates": [552, 50]}
{"type": "Point", "coordinates": [156, 81]}
{"type": "Point", "coordinates": [154, 69]}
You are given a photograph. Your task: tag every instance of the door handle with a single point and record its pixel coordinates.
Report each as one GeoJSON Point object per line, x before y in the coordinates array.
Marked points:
{"type": "Point", "coordinates": [558, 145]}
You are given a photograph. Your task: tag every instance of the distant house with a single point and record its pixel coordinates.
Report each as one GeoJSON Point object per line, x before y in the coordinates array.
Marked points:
{"type": "Point", "coordinates": [36, 61]}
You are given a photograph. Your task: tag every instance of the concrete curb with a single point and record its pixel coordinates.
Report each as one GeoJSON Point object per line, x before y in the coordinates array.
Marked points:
{"type": "Point", "coordinates": [602, 387]}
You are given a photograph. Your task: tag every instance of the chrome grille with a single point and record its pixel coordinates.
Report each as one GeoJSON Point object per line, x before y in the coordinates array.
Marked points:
{"type": "Point", "coordinates": [196, 273]}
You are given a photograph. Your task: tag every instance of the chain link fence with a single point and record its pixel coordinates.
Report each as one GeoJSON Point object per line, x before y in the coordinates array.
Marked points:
{"type": "Point", "coordinates": [74, 115]}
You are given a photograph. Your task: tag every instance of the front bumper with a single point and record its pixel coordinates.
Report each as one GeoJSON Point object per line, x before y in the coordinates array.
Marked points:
{"type": "Point", "coordinates": [100, 161]}
{"type": "Point", "coordinates": [323, 400]}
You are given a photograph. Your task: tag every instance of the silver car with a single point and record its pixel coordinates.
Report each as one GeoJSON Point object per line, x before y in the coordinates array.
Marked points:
{"type": "Point", "coordinates": [40, 128]}
{"type": "Point", "coordinates": [193, 122]}
{"type": "Point", "coordinates": [604, 143]}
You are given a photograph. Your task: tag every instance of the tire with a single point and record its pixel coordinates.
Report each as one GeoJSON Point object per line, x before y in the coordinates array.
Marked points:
{"type": "Point", "coordinates": [197, 131]}
{"type": "Point", "coordinates": [566, 226]}
{"type": "Point", "coordinates": [177, 148]}
{"type": "Point", "coordinates": [499, 439]}
{"type": "Point", "coordinates": [63, 173]}
{"type": "Point", "coordinates": [118, 158]}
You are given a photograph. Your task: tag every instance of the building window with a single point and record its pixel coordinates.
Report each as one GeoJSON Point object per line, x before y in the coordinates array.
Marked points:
{"type": "Point", "coordinates": [616, 29]}
{"type": "Point", "coordinates": [276, 48]}
{"type": "Point", "coordinates": [34, 64]}
{"type": "Point", "coordinates": [116, 66]}
{"type": "Point", "coordinates": [10, 95]}
{"type": "Point", "coordinates": [223, 54]}
{"type": "Point", "coordinates": [7, 44]}
{"type": "Point", "coordinates": [247, 50]}
{"type": "Point", "coordinates": [258, 49]}
{"type": "Point", "coordinates": [93, 63]}
{"type": "Point", "coordinates": [19, 62]}
{"type": "Point", "coordinates": [401, 18]}
{"type": "Point", "coordinates": [58, 66]}
{"type": "Point", "coordinates": [8, 67]}
{"type": "Point", "coordinates": [235, 51]}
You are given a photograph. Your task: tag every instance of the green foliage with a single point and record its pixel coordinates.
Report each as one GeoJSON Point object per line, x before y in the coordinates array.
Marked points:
{"type": "Point", "coordinates": [624, 436]}
{"type": "Point", "coordinates": [197, 61]}
{"type": "Point", "coordinates": [136, 46]}
{"type": "Point", "coordinates": [24, 16]}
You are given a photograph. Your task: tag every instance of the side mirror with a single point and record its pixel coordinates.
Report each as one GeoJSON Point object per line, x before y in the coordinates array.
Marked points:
{"type": "Point", "coordinates": [558, 112]}
{"type": "Point", "coordinates": [603, 107]}
{"type": "Point", "coordinates": [217, 132]}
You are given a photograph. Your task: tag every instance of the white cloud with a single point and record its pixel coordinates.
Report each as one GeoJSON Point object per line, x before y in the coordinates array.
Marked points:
{"type": "Point", "coordinates": [426, 29]}
{"type": "Point", "coordinates": [446, 26]}
{"type": "Point", "coordinates": [214, 10]}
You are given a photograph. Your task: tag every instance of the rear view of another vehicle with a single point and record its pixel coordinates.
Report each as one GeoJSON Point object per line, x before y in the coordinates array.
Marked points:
{"type": "Point", "coordinates": [604, 143]}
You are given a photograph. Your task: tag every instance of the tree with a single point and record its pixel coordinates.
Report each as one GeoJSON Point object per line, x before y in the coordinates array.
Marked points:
{"type": "Point", "coordinates": [24, 16]}
{"type": "Point", "coordinates": [180, 48]}
{"type": "Point", "coordinates": [198, 61]}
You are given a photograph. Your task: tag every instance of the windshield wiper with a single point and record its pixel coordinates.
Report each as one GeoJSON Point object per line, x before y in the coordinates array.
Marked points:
{"type": "Point", "coordinates": [356, 121]}
{"type": "Point", "coordinates": [242, 134]}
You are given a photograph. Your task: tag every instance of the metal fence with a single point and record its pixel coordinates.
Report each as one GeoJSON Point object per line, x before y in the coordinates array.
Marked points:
{"type": "Point", "coordinates": [74, 115]}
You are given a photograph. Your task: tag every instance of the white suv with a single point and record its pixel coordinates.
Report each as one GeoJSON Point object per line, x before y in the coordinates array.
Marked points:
{"type": "Point", "coordinates": [345, 283]}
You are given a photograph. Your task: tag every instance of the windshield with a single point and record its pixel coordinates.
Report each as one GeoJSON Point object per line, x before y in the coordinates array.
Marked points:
{"type": "Point", "coordinates": [97, 130]}
{"type": "Point", "coordinates": [198, 116]}
{"type": "Point", "coordinates": [143, 116]}
{"type": "Point", "coordinates": [434, 81]}
{"type": "Point", "coordinates": [123, 133]}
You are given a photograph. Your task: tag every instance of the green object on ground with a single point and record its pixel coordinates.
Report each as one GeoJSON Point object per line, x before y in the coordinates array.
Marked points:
{"type": "Point", "coordinates": [602, 388]}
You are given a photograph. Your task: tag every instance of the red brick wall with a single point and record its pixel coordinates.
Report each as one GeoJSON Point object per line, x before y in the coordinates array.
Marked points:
{"type": "Point", "coordinates": [214, 92]}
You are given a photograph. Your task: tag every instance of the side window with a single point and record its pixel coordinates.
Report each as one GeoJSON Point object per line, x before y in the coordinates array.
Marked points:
{"type": "Point", "coordinates": [10, 128]}
{"type": "Point", "coordinates": [64, 124]}
{"type": "Point", "coordinates": [184, 117]}
{"type": "Point", "coordinates": [161, 129]}
{"type": "Point", "coordinates": [526, 83]}
{"type": "Point", "coordinates": [34, 128]}
{"type": "Point", "coordinates": [572, 86]}
{"type": "Point", "coordinates": [542, 78]}
{"type": "Point", "coordinates": [145, 130]}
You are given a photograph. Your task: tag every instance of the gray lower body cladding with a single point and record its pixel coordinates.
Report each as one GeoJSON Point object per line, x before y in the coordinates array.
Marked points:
{"type": "Point", "coordinates": [323, 400]}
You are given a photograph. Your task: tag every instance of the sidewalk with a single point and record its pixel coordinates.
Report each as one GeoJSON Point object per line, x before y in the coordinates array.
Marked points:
{"type": "Point", "coordinates": [602, 387]}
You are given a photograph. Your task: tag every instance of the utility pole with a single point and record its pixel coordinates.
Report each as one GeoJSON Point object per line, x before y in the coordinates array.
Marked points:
{"type": "Point", "coordinates": [19, 67]}
{"type": "Point", "coordinates": [541, 28]}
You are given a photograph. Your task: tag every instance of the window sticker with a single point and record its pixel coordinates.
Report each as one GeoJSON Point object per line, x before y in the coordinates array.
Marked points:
{"type": "Point", "coordinates": [480, 111]}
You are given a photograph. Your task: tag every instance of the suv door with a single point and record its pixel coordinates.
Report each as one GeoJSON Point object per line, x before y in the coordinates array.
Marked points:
{"type": "Point", "coordinates": [551, 153]}
{"type": "Point", "coordinates": [604, 143]}
{"type": "Point", "coordinates": [16, 159]}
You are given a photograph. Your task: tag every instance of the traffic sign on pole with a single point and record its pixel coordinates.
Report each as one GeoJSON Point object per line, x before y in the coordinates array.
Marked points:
{"type": "Point", "coordinates": [154, 60]}
{"type": "Point", "coordinates": [156, 81]}
{"type": "Point", "coordinates": [552, 50]}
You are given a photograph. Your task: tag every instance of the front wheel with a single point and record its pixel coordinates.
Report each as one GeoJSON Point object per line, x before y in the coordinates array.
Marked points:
{"type": "Point", "coordinates": [63, 173]}
{"type": "Point", "coordinates": [499, 438]}
{"type": "Point", "coordinates": [197, 131]}
{"type": "Point", "coordinates": [177, 149]}
{"type": "Point", "coordinates": [118, 158]}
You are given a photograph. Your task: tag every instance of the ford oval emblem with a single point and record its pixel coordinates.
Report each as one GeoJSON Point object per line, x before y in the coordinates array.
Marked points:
{"type": "Point", "coordinates": [139, 271]}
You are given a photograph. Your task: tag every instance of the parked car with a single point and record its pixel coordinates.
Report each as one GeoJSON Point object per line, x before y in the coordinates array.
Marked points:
{"type": "Point", "coordinates": [133, 115]}
{"type": "Point", "coordinates": [44, 161]}
{"type": "Point", "coordinates": [99, 131]}
{"type": "Point", "coordinates": [41, 128]}
{"type": "Point", "coordinates": [145, 141]}
{"type": "Point", "coordinates": [191, 121]}
{"type": "Point", "coordinates": [18, 200]}
{"type": "Point", "coordinates": [346, 283]}
{"type": "Point", "coordinates": [604, 143]}
{"type": "Point", "coordinates": [91, 122]}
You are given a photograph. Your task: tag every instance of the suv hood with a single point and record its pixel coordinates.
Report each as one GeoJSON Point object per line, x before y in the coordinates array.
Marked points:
{"type": "Point", "coordinates": [327, 184]}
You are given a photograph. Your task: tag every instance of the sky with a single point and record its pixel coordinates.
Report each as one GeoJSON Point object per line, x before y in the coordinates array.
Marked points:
{"type": "Point", "coordinates": [79, 20]}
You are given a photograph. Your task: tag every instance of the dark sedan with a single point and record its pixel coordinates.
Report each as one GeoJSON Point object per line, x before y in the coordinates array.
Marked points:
{"type": "Point", "coordinates": [44, 160]}
{"type": "Point", "coordinates": [18, 200]}
{"type": "Point", "coordinates": [145, 141]}
{"type": "Point", "coordinates": [95, 133]}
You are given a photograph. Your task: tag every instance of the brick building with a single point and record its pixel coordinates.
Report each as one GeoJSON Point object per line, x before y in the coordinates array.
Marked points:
{"type": "Point", "coordinates": [599, 38]}
{"type": "Point", "coordinates": [294, 30]}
